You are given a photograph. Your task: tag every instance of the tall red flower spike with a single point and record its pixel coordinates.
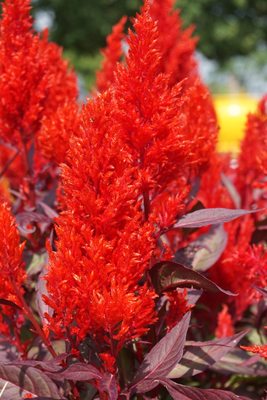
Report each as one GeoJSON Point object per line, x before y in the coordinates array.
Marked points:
{"type": "Point", "coordinates": [252, 168]}
{"type": "Point", "coordinates": [224, 324]}
{"type": "Point", "coordinates": [104, 246]}
{"type": "Point", "coordinates": [133, 143]}
{"type": "Point", "coordinates": [112, 55]}
{"type": "Point", "coordinates": [177, 45]}
{"type": "Point", "coordinates": [12, 274]}
{"type": "Point", "coordinates": [34, 78]}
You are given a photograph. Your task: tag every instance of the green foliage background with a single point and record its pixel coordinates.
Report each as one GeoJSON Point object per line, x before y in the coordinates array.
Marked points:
{"type": "Point", "coordinates": [226, 28]}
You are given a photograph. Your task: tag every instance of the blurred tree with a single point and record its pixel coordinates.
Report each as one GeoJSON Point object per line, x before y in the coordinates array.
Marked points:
{"type": "Point", "coordinates": [83, 25]}
{"type": "Point", "coordinates": [225, 27]}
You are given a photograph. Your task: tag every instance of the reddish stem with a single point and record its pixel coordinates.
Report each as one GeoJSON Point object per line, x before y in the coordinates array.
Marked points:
{"type": "Point", "coordinates": [29, 314]}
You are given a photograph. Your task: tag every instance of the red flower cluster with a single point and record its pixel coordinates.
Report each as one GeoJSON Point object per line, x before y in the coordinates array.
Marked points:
{"type": "Point", "coordinates": [130, 149]}
{"type": "Point", "coordinates": [261, 350]}
{"type": "Point", "coordinates": [112, 55]}
{"type": "Point", "coordinates": [12, 270]}
{"type": "Point", "coordinates": [34, 79]}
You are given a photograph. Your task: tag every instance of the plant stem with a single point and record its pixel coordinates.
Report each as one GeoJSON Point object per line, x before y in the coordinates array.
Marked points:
{"type": "Point", "coordinates": [9, 162]}
{"type": "Point", "coordinates": [29, 314]}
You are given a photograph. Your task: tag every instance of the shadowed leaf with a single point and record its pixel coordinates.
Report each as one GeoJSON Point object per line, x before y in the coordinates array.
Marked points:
{"type": "Point", "coordinates": [30, 380]}
{"type": "Point", "coordinates": [202, 355]}
{"type": "Point", "coordinates": [163, 356]}
{"type": "Point", "coordinates": [180, 392]}
{"type": "Point", "coordinates": [202, 253]}
{"type": "Point", "coordinates": [166, 275]}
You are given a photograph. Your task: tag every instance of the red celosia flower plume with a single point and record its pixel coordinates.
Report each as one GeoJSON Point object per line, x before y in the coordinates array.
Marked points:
{"type": "Point", "coordinates": [34, 78]}
{"type": "Point", "coordinates": [134, 142]}
{"type": "Point", "coordinates": [252, 165]}
{"type": "Point", "coordinates": [177, 45]}
{"type": "Point", "coordinates": [225, 324]}
{"type": "Point", "coordinates": [56, 131]}
{"type": "Point", "coordinates": [10, 253]}
{"type": "Point", "coordinates": [171, 135]}
{"type": "Point", "coordinates": [12, 271]}
{"type": "Point", "coordinates": [261, 350]}
{"type": "Point", "coordinates": [112, 55]}
{"type": "Point", "coordinates": [103, 246]}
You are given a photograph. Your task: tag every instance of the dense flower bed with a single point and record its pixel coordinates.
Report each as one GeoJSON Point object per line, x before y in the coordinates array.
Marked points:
{"type": "Point", "coordinates": [133, 255]}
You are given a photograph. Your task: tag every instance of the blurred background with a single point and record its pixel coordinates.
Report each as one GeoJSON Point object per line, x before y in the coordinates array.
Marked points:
{"type": "Point", "coordinates": [232, 47]}
{"type": "Point", "coordinates": [232, 36]}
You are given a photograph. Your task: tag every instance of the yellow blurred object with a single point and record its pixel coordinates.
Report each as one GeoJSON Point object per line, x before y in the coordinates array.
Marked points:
{"type": "Point", "coordinates": [232, 110]}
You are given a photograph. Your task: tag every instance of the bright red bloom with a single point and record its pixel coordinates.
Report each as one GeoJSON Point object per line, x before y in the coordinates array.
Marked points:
{"type": "Point", "coordinates": [10, 253]}
{"type": "Point", "coordinates": [112, 55]}
{"type": "Point", "coordinates": [34, 78]}
{"type": "Point", "coordinates": [261, 350]}
{"type": "Point", "coordinates": [177, 307]}
{"type": "Point", "coordinates": [177, 45]}
{"type": "Point", "coordinates": [134, 142]}
{"type": "Point", "coordinates": [12, 271]}
{"type": "Point", "coordinates": [104, 244]}
{"type": "Point", "coordinates": [56, 131]}
{"type": "Point", "coordinates": [252, 165]}
{"type": "Point", "coordinates": [224, 324]}
{"type": "Point", "coordinates": [171, 135]}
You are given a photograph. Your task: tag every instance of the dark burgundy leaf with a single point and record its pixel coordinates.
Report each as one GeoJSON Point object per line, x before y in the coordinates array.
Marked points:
{"type": "Point", "coordinates": [26, 218]}
{"type": "Point", "coordinates": [231, 190]}
{"type": "Point", "coordinates": [30, 379]}
{"type": "Point", "coordinates": [9, 303]}
{"type": "Point", "coordinates": [202, 253]}
{"type": "Point", "coordinates": [200, 356]}
{"type": "Point", "coordinates": [239, 362]}
{"type": "Point", "coordinates": [163, 356]}
{"type": "Point", "coordinates": [262, 291]}
{"type": "Point", "coordinates": [52, 214]}
{"type": "Point", "coordinates": [166, 275]}
{"type": "Point", "coordinates": [193, 295]}
{"type": "Point", "coordinates": [180, 392]}
{"type": "Point", "coordinates": [210, 216]}
{"type": "Point", "coordinates": [108, 385]}
{"type": "Point", "coordinates": [79, 372]}
{"type": "Point", "coordinates": [49, 366]}
{"type": "Point", "coordinates": [41, 291]}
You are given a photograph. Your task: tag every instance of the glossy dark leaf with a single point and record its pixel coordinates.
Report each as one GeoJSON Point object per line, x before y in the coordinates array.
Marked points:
{"type": "Point", "coordinates": [202, 253]}
{"type": "Point", "coordinates": [163, 356]}
{"type": "Point", "coordinates": [202, 355]}
{"type": "Point", "coordinates": [166, 275]}
{"type": "Point", "coordinates": [29, 379]}
{"type": "Point", "coordinates": [180, 392]}
{"type": "Point", "coordinates": [79, 372]}
{"type": "Point", "coordinates": [210, 216]}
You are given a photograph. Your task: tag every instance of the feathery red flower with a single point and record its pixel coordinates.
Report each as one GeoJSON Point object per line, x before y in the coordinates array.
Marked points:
{"type": "Point", "coordinates": [34, 78]}
{"type": "Point", "coordinates": [103, 242]}
{"type": "Point", "coordinates": [261, 350]}
{"type": "Point", "coordinates": [56, 130]}
{"type": "Point", "coordinates": [224, 323]}
{"type": "Point", "coordinates": [252, 165]}
{"type": "Point", "coordinates": [112, 55]}
{"type": "Point", "coordinates": [177, 45]}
